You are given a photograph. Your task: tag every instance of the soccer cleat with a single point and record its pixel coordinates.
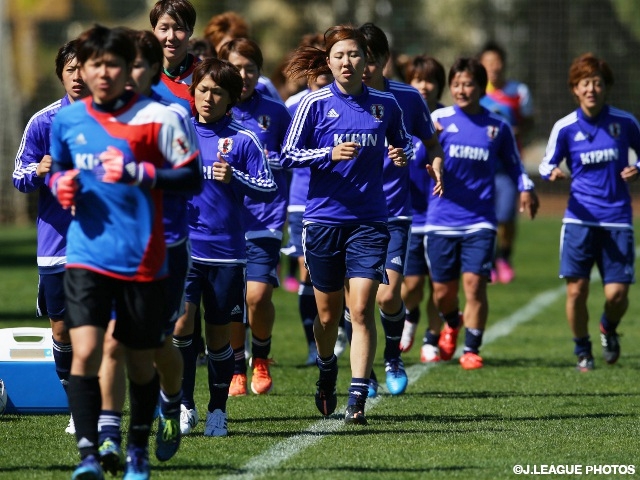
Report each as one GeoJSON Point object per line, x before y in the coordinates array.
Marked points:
{"type": "Point", "coordinates": [110, 456]}
{"type": "Point", "coordinates": [408, 335]}
{"type": "Point", "coordinates": [216, 424]}
{"type": "Point", "coordinates": [188, 419]}
{"type": "Point", "coordinates": [610, 347]}
{"type": "Point", "coordinates": [313, 355]}
{"type": "Point", "coordinates": [71, 427]}
{"type": "Point", "coordinates": [354, 415]}
{"type": "Point", "coordinates": [261, 381]}
{"type": "Point", "coordinates": [341, 342]}
{"type": "Point", "coordinates": [168, 437]}
{"type": "Point", "coordinates": [137, 466]}
{"type": "Point", "coordinates": [504, 271]}
{"type": "Point", "coordinates": [88, 469]}
{"type": "Point", "coordinates": [471, 361]}
{"type": "Point", "coordinates": [429, 353]}
{"type": "Point", "coordinates": [326, 397]}
{"type": "Point", "coordinates": [238, 387]}
{"type": "Point", "coordinates": [373, 388]}
{"type": "Point", "coordinates": [396, 376]}
{"type": "Point", "coordinates": [585, 363]}
{"type": "Point", "coordinates": [448, 341]}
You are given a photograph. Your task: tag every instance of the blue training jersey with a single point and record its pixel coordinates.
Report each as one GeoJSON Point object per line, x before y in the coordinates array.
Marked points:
{"type": "Point", "coordinates": [299, 185]}
{"type": "Point", "coordinates": [269, 119]}
{"type": "Point", "coordinates": [216, 220]}
{"type": "Point", "coordinates": [474, 146]}
{"type": "Point", "coordinates": [117, 228]}
{"type": "Point", "coordinates": [174, 205]}
{"type": "Point", "coordinates": [52, 220]}
{"type": "Point", "coordinates": [417, 121]}
{"type": "Point", "coordinates": [345, 191]}
{"type": "Point", "coordinates": [596, 150]}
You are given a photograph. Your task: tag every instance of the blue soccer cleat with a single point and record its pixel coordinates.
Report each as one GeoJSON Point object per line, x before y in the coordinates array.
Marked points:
{"type": "Point", "coordinates": [396, 376]}
{"type": "Point", "coordinates": [137, 466]}
{"type": "Point", "coordinates": [168, 436]}
{"type": "Point", "coordinates": [88, 469]}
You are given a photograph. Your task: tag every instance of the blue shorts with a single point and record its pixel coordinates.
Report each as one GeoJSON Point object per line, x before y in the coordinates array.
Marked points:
{"type": "Point", "coordinates": [221, 288]}
{"type": "Point", "coordinates": [50, 302]}
{"type": "Point", "coordinates": [294, 248]}
{"type": "Point", "coordinates": [611, 249]}
{"type": "Point", "coordinates": [263, 256]}
{"type": "Point", "coordinates": [398, 248]}
{"type": "Point", "coordinates": [416, 259]}
{"type": "Point", "coordinates": [140, 307]}
{"type": "Point", "coordinates": [179, 261]}
{"type": "Point", "coordinates": [506, 198]}
{"type": "Point", "coordinates": [450, 255]}
{"type": "Point", "coordinates": [333, 253]}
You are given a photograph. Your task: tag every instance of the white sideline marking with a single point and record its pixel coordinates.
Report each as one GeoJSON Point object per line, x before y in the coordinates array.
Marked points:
{"type": "Point", "coordinates": [284, 450]}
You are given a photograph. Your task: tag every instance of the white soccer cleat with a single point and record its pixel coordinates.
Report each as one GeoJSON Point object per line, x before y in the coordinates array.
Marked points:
{"type": "Point", "coordinates": [429, 353]}
{"type": "Point", "coordinates": [408, 335]}
{"type": "Point", "coordinates": [71, 427]}
{"type": "Point", "coordinates": [188, 419]}
{"type": "Point", "coordinates": [216, 425]}
{"type": "Point", "coordinates": [341, 342]}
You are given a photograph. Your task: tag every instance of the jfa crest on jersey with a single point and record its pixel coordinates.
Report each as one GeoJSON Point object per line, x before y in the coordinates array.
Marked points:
{"type": "Point", "coordinates": [377, 111]}
{"type": "Point", "coordinates": [492, 131]}
{"type": "Point", "coordinates": [225, 145]}
{"type": "Point", "coordinates": [264, 121]}
{"type": "Point", "coordinates": [614, 129]}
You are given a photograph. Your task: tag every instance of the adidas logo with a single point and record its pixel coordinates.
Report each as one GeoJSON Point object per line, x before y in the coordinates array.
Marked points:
{"type": "Point", "coordinates": [332, 114]}
{"type": "Point", "coordinates": [80, 140]}
{"type": "Point", "coordinates": [236, 310]}
{"type": "Point", "coordinates": [452, 128]}
{"type": "Point", "coordinates": [397, 261]}
{"type": "Point", "coordinates": [579, 137]}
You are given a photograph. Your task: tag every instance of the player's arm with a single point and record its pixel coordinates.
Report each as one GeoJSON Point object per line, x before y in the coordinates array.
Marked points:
{"type": "Point", "coordinates": [32, 161]}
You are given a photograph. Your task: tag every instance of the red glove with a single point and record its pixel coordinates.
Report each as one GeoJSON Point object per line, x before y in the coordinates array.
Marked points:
{"type": "Point", "coordinates": [64, 187]}
{"type": "Point", "coordinates": [118, 169]}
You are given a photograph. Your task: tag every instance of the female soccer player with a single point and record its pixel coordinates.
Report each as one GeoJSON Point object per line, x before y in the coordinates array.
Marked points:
{"type": "Point", "coordinates": [339, 132]}
{"type": "Point", "coordinates": [234, 166]}
{"type": "Point", "coordinates": [417, 121]}
{"type": "Point", "coordinates": [112, 152]}
{"type": "Point", "coordinates": [32, 167]}
{"type": "Point", "coordinates": [594, 140]}
{"type": "Point", "coordinates": [173, 22]}
{"type": "Point", "coordinates": [460, 243]}
{"type": "Point", "coordinates": [427, 75]}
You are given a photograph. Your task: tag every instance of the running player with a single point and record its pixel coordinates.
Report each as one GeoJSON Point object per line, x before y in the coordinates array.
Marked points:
{"type": "Point", "coordinates": [459, 244]}
{"type": "Point", "coordinates": [112, 154]}
{"type": "Point", "coordinates": [512, 100]}
{"type": "Point", "coordinates": [31, 173]}
{"type": "Point", "coordinates": [234, 166]}
{"type": "Point", "coordinates": [417, 121]}
{"type": "Point", "coordinates": [594, 140]}
{"type": "Point", "coordinates": [268, 119]}
{"type": "Point", "coordinates": [339, 132]}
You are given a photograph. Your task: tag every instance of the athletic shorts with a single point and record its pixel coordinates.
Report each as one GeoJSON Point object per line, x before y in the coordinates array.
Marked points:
{"type": "Point", "coordinates": [179, 261]}
{"type": "Point", "coordinates": [611, 249]}
{"type": "Point", "coordinates": [450, 255]}
{"type": "Point", "coordinates": [416, 259]}
{"type": "Point", "coordinates": [506, 198]}
{"type": "Point", "coordinates": [50, 302]}
{"type": "Point", "coordinates": [140, 307]}
{"type": "Point", "coordinates": [398, 248]}
{"type": "Point", "coordinates": [294, 248]}
{"type": "Point", "coordinates": [263, 256]}
{"type": "Point", "coordinates": [221, 288]}
{"type": "Point", "coordinates": [333, 253]}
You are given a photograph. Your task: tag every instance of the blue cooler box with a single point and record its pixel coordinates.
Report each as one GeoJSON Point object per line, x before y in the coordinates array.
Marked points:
{"type": "Point", "coordinates": [29, 373]}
